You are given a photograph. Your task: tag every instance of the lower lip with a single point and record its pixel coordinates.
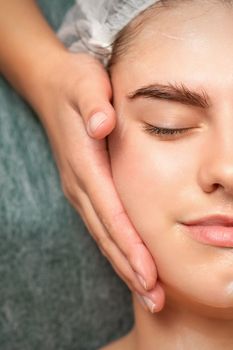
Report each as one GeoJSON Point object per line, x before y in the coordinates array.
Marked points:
{"type": "Point", "coordinates": [220, 236]}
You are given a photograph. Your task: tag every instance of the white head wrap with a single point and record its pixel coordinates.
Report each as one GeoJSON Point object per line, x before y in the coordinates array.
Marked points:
{"type": "Point", "coordinates": [92, 25]}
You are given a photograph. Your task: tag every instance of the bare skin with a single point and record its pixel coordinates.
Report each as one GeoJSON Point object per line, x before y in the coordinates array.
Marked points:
{"type": "Point", "coordinates": [126, 342]}
{"type": "Point", "coordinates": [56, 87]}
{"type": "Point", "coordinates": [179, 176]}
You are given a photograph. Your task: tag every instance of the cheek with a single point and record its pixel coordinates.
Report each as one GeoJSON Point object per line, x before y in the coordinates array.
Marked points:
{"type": "Point", "coordinates": [148, 174]}
{"type": "Point", "coordinates": [153, 179]}
{"type": "Point", "coordinates": [149, 179]}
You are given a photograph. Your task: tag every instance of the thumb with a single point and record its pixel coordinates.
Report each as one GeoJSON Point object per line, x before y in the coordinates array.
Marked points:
{"type": "Point", "coordinates": [93, 94]}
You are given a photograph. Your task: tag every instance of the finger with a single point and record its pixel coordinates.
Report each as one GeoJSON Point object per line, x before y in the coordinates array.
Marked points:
{"type": "Point", "coordinates": [109, 209]}
{"type": "Point", "coordinates": [106, 245]}
{"type": "Point", "coordinates": [159, 296]}
{"type": "Point", "coordinates": [154, 299]}
{"type": "Point", "coordinates": [92, 97]}
{"type": "Point", "coordinates": [121, 230]}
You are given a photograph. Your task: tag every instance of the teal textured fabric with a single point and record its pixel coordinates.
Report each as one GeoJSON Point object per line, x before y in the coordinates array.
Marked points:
{"type": "Point", "coordinates": [56, 290]}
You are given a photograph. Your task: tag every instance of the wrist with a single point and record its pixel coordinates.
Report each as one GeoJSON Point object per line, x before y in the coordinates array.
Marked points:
{"type": "Point", "coordinates": [26, 54]}
{"type": "Point", "coordinates": [43, 74]}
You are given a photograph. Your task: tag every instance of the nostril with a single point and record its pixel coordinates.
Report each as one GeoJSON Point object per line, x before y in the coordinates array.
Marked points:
{"type": "Point", "coordinates": [215, 186]}
{"type": "Point", "coordinates": [212, 187]}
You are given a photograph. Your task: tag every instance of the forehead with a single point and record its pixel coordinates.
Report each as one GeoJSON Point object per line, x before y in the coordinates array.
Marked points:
{"type": "Point", "coordinates": [180, 20]}
{"type": "Point", "coordinates": [192, 41]}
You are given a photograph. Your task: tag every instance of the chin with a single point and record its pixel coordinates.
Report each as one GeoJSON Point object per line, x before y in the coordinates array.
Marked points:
{"type": "Point", "coordinates": [196, 275]}
{"type": "Point", "coordinates": [211, 298]}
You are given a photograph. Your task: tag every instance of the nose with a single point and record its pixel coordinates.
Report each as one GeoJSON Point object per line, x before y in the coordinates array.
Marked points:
{"type": "Point", "coordinates": [216, 170]}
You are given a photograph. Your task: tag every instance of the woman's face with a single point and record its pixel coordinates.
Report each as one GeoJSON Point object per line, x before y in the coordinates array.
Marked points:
{"type": "Point", "coordinates": [166, 180]}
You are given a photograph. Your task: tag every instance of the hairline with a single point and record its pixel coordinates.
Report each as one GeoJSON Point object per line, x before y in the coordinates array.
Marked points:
{"type": "Point", "coordinates": [126, 35]}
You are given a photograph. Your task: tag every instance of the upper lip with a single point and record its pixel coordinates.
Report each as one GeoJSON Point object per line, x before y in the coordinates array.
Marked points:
{"type": "Point", "coordinates": [218, 219]}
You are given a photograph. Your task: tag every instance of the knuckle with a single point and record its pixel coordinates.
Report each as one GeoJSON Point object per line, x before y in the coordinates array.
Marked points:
{"type": "Point", "coordinates": [115, 223]}
{"type": "Point", "coordinates": [72, 196]}
{"type": "Point", "coordinates": [65, 190]}
{"type": "Point", "coordinates": [129, 253]}
{"type": "Point", "coordinates": [103, 242]}
{"type": "Point", "coordinates": [110, 225]}
{"type": "Point", "coordinates": [68, 191]}
{"type": "Point", "coordinates": [118, 214]}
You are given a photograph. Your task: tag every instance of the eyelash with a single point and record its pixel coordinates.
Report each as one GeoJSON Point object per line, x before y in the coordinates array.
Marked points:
{"type": "Point", "coordinates": [152, 129]}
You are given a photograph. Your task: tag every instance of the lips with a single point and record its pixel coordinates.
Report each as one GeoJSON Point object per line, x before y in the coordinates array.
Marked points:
{"type": "Point", "coordinates": [219, 220]}
{"type": "Point", "coordinates": [215, 230]}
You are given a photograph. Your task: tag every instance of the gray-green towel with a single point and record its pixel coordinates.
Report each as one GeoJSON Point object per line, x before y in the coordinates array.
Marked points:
{"type": "Point", "coordinates": [56, 289]}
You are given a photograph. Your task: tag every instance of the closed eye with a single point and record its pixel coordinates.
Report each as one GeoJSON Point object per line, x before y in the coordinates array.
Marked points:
{"type": "Point", "coordinates": [163, 132]}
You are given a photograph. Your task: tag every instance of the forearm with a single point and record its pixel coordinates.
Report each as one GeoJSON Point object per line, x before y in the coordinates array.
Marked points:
{"type": "Point", "coordinates": [28, 46]}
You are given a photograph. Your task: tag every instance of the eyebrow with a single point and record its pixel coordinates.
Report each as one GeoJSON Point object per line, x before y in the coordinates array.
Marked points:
{"type": "Point", "coordinates": [173, 92]}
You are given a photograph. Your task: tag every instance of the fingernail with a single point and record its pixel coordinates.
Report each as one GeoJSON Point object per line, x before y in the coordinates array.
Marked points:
{"type": "Point", "coordinates": [95, 121]}
{"type": "Point", "coordinates": [142, 281]}
{"type": "Point", "coordinates": [142, 302]}
{"type": "Point", "coordinates": [151, 305]}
